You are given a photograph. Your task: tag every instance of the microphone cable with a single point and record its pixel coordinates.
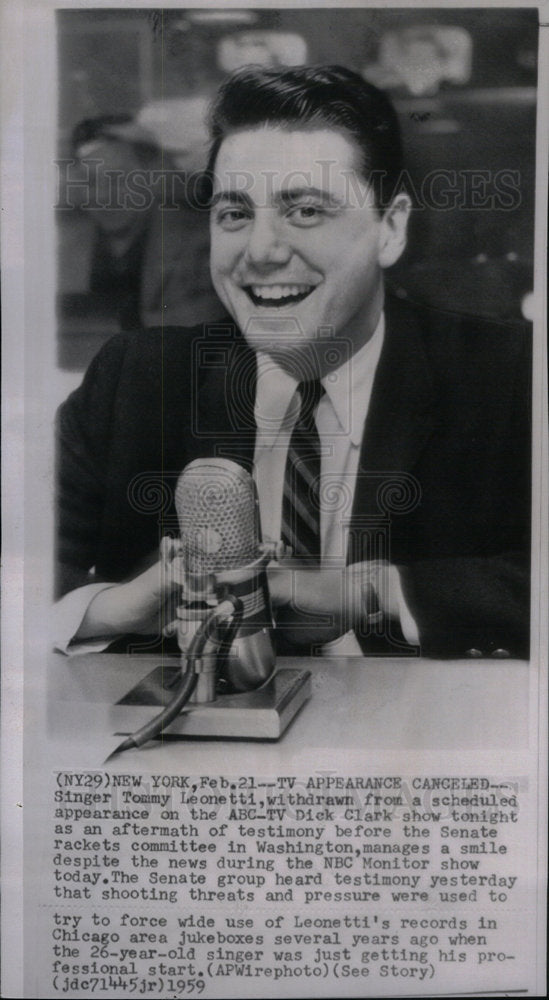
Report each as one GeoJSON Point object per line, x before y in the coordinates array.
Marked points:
{"type": "Point", "coordinates": [230, 607]}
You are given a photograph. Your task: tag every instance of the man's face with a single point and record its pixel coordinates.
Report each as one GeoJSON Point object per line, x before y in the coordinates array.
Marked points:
{"type": "Point", "coordinates": [110, 205]}
{"type": "Point", "coordinates": [295, 240]}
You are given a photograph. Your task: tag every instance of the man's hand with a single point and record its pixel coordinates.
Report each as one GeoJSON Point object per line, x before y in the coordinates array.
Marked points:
{"type": "Point", "coordinates": [313, 605]}
{"type": "Point", "coordinates": [144, 605]}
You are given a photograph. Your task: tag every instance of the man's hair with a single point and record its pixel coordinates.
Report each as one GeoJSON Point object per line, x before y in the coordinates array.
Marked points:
{"type": "Point", "coordinates": [105, 127]}
{"type": "Point", "coordinates": [313, 97]}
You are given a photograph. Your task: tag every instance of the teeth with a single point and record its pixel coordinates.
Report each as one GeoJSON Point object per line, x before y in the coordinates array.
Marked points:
{"type": "Point", "coordinates": [278, 291]}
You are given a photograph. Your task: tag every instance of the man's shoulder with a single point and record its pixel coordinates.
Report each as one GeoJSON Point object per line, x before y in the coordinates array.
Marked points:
{"type": "Point", "coordinates": [463, 336]}
{"type": "Point", "coordinates": [164, 343]}
{"type": "Point", "coordinates": [177, 338]}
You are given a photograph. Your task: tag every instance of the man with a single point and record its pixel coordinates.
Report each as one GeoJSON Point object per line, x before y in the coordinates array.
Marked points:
{"type": "Point", "coordinates": [419, 513]}
{"type": "Point", "coordinates": [135, 260]}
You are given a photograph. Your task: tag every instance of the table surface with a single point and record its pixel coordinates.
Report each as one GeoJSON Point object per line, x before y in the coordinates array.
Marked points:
{"type": "Point", "coordinates": [375, 704]}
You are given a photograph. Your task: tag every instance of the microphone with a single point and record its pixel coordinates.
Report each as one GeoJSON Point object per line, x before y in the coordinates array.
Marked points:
{"type": "Point", "coordinates": [223, 558]}
{"type": "Point", "coordinates": [224, 624]}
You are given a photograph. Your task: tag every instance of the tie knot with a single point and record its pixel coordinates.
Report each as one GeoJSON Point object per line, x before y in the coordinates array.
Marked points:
{"type": "Point", "coordinates": [311, 393]}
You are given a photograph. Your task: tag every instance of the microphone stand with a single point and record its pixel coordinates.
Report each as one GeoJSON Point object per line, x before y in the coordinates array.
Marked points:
{"type": "Point", "coordinates": [230, 608]}
{"type": "Point", "coordinates": [260, 702]}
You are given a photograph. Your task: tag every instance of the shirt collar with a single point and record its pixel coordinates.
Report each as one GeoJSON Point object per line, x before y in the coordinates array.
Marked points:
{"type": "Point", "coordinates": [347, 387]}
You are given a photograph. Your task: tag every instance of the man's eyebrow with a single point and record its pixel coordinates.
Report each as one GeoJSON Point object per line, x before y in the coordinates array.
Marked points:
{"type": "Point", "coordinates": [296, 193]}
{"type": "Point", "coordinates": [233, 197]}
{"type": "Point", "coordinates": [285, 196]}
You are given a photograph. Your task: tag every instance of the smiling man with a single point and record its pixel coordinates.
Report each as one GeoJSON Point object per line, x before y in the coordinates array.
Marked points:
{"type": "Point", "coordinates": [389, 444]}
{"type": "Point", "coordinates": [306, 246]}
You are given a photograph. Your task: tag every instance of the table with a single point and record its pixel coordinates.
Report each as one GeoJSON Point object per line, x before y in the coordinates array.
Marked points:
{"type": "Point", "coordinates": [357, 704]}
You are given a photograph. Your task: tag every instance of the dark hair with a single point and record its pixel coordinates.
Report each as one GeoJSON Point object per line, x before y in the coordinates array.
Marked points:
{"type": "Point", "coordinates": [103, 127]}
{"type": "Point", "coordinates": [313, 97]}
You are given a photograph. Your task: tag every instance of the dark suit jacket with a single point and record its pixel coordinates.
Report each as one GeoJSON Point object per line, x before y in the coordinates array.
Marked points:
{"type": "Point", "coordinates": [443, 484]}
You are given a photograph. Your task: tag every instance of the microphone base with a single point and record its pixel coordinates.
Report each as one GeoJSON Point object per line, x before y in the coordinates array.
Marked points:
{"type": "Point", "coordinates": [262, 714]}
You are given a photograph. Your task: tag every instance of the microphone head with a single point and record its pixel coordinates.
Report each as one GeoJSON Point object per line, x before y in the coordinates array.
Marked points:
{"type": "Point", "coordinates": [218, 513]}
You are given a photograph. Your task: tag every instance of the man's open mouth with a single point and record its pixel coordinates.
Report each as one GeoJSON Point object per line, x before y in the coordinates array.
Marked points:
{"type": "Point", "coordinates": [276, 296]}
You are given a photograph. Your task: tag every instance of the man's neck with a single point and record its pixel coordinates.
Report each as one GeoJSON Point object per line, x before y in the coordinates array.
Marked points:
{"type": "Point", "coordinates": [315, 359]}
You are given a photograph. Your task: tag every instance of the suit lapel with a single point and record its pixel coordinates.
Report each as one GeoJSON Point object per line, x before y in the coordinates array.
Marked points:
{"type": "Point", "coordinates": [226, 396]}
{"type": "Point", "coordinates": [401, 414]}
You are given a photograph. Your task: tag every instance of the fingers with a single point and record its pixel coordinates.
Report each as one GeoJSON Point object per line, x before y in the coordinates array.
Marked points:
{"type": "Point", "coordinates": [169, 548]}
{"type": "Point", "coordinates": [280, 584]}
{"type": "Point", "coordinates": [171, 563]}
{"type": "Point", "coordinates": [380, 575]}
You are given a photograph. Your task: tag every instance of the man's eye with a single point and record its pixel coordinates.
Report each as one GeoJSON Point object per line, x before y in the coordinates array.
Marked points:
{"type": "Point", "coordinates": [231, 218]}
{"type": "Point", "coordinates": [305, 215]}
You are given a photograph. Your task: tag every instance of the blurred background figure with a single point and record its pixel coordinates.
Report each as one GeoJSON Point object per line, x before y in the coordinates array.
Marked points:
{"type": "Point", "coordinates": [134, 244]}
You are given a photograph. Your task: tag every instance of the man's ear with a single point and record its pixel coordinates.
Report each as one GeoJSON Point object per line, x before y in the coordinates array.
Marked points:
{"type": "Point", "coordinates": [394, 226]}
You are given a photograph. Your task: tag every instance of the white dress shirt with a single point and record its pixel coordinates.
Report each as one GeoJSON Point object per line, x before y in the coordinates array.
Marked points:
{"type": "Point", "coordinates": [340, 419]}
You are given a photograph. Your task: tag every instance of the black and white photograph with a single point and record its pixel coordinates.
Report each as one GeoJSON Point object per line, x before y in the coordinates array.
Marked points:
{"type": "Point", "coordinates": [275, 555]}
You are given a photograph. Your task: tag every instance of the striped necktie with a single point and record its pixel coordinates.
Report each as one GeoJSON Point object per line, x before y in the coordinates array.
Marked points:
{"type": "Point", "coordinates": [301, 497]}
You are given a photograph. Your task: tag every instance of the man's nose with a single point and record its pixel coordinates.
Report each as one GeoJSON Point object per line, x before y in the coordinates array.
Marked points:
{"type": "Point", "coordinates": [267, 246]}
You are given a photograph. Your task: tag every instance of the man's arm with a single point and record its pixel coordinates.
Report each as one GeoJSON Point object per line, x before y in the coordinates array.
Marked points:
{"type": "Point", "coordinates": [477, 600]}
{"type": "Point", "coordinates": [83, 435]}
{"type": "Point", "coordinates": [314, 606]}
{"type": "Point", "coordinates": [458, 607]}
{"type": "Point", "coordinates": [144, 605]}
{"type": "Point", "coordinates": [470, 605]}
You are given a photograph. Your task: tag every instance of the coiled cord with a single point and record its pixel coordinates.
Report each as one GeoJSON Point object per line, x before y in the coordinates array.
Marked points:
{"type": "Point", "coordinates": [229, 607]}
